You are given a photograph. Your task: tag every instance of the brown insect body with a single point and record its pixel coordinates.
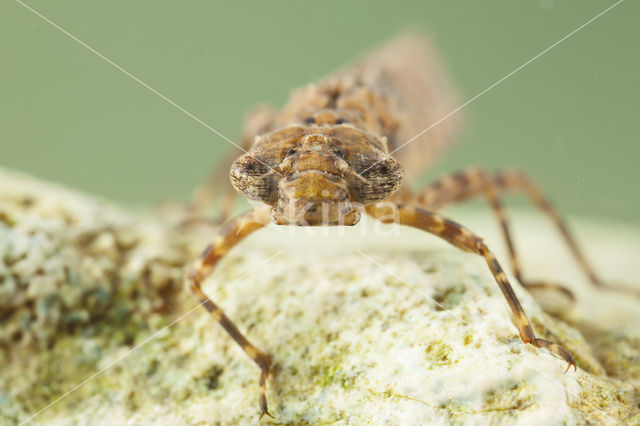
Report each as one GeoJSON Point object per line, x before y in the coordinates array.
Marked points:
{"type": "Point", "coordinates": [329, 147]}
{"type": "Point", "coordinates": [325, 159]}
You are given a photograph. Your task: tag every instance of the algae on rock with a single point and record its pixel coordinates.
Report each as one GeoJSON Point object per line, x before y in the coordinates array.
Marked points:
{"type": "Point", "coordinates": [419, 334]}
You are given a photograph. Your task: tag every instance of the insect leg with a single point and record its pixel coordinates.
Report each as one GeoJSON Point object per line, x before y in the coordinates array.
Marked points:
{"type": "Point", "coordinates": [206, 193]}
{"type": "Point", "coordinates": [258, 122]}
{"type": "Point", "coordinates": [232, 233]}
{"type": "Point", "coordinates": [515, 180]}
{"type": "Point", "coordinates": [464, 239]}
{"type": "Point", "coordinates": [473, 182]}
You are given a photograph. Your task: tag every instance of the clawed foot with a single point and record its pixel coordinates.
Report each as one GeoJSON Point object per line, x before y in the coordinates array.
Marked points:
{"type": "Point", "coordinates": [569, 365]}
{"type": "Point", "coordinates": [265, 413]}
{"type": "Point", "coordinates": [264, 361]}
{"type": "Point", "coordinates": [558, 350]}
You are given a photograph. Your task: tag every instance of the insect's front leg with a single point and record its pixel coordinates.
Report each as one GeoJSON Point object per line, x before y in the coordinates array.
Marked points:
{"type": "Point", "coordinates": [464, 239]}
{"type": "Point", "coordinates": [232, 233]}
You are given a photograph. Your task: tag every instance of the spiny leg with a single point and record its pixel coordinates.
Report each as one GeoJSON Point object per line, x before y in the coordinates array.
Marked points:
{"type": "Point", "coordinates": [464, 239]}
{"type": "Point", "coordinates": [515, 180]}
{"type": "Point", "coordinates": [473, 182]}
{"type": "Point", "coordinates": [232, 233]}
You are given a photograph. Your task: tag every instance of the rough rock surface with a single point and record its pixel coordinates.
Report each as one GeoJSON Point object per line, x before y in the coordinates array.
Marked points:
{"type": "Point", "coordinates": [389, 327]}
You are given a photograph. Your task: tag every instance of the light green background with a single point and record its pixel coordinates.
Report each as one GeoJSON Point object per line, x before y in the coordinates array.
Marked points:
{"type": "Point", "coordinates": [570, 118]}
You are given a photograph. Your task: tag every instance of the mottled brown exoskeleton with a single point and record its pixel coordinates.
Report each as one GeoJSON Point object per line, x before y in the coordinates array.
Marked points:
{"type": "Point", "coordinates": [325, 160]}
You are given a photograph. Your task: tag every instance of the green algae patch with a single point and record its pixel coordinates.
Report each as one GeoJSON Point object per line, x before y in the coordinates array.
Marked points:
{"type": "Point", "coordinates": [438, 354]}
{"type": "Point", "coordinates": [450, 297]}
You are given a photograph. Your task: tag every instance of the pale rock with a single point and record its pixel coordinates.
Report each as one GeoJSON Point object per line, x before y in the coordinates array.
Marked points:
{"type": "Point", "coordinates": [369, 325]}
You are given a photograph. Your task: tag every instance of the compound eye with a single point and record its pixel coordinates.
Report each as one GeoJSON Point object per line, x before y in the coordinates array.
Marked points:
{"type": "Point", "coordinates": [254, 179]}
{"type": "Point", "coordinates": [292, 151]}
{"type": "Point", "coordinates": [310, 120]}
{"type": "Point", "coordinates": [381, 180]}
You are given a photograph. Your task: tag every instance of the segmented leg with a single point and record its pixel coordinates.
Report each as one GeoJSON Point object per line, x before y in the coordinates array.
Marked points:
{"type": "Point", "coordinates": [232, 233]}
{"type": "Point", "coordinates": [473, 182]}
{"type": "Point", "coordinates": [258, 122]}
{"type": "Point", "coordinates": [464, 239]}
{"type": "Point", "coordinates": [217, 183]}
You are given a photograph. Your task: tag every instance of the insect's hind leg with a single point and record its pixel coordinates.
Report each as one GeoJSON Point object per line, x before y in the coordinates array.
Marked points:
{"type": "Point", "coordinates": [464, 239]}
{"type": "Point", "coordinates": [515, 180]}
{"type": "Point", "coordinates": [232, 233]}
{"type": "Point", "coordinates": [473, 182]}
